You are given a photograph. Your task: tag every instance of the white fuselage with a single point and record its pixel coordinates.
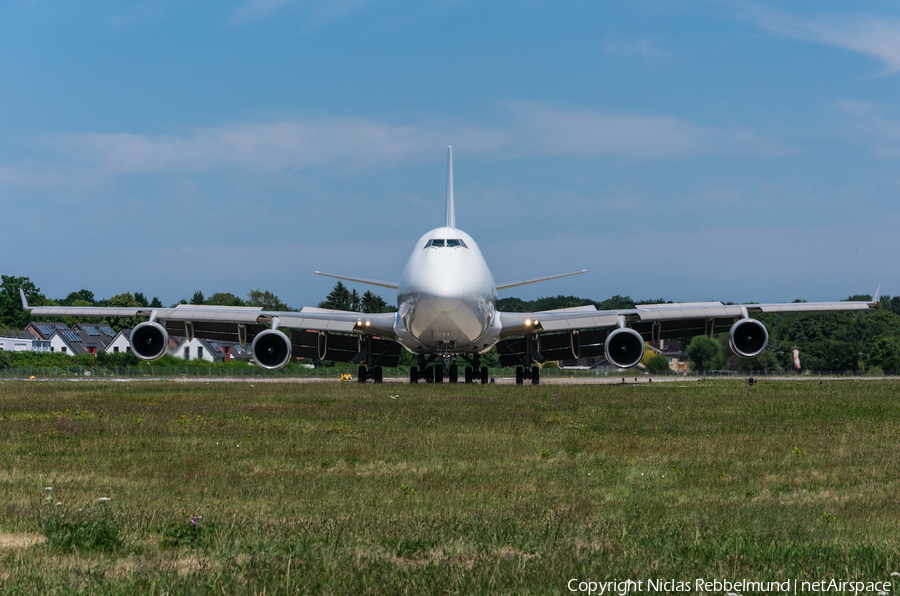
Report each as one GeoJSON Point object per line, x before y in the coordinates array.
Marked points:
{"type": "Point", "coordinates": [446, 296]}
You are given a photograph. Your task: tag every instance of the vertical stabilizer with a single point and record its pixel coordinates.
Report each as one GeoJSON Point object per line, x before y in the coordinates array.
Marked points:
{"type": "Point", "coordinates": [451, 211]}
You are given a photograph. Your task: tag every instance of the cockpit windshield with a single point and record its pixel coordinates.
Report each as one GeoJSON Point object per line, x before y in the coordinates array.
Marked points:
{"type": "Point", "coordinates": [442, 242]}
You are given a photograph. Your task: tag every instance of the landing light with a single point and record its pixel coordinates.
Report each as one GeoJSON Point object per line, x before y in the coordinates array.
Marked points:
{"type": "Point", "coordinates": [368, 323]}
{"type": "Point", "coordinates": [528, 322]}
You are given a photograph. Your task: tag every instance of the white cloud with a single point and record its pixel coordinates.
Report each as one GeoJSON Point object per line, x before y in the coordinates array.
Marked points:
{"type": "Point", "coordinates": [544, 130]}
{"type": "Point", "coordinates": [871, 124]}
{"type": "Point", "coordinates": [317, 12]}
{"type": "Point", "coordinates": [298, 144]}
{"type": "Point", "coordinates": [761, 263]}
{"type": "Point", "coordinates": [642, 48]}
{"type": "Point", "coordinates": [346, 142]}
{"type": "Point", "coordinates": [254, 9]}
{"type": "Point", "coordinates": [877, 36]}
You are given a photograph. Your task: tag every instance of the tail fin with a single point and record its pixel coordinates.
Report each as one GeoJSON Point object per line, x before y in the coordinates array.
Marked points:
{"type": "Point", "coordinates": [451, 211]}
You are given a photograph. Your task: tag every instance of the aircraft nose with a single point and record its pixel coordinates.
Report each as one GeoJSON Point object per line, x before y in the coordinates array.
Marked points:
{"type": "Point", "coordinates": [445, 293]}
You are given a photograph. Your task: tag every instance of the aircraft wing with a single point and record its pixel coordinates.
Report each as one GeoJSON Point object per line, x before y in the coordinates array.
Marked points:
{"type": "Point", "coordinates": [655, 321]}
{"type": "Point", "coordinates": [533, 280]}
{"type": "Point", "coordinates": [221, 322]}
{"type": "Point", "coordinates": [363, 280]}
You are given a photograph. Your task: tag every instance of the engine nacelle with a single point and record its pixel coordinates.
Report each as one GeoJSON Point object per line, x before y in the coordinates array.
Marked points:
{"type": "Point", "coordinates": [149, 341]}
{"type": "Point", "coordinates": [624, 347]}
{"type": "Point", "coordinates": [271, 349]}
{"type": "Point", "coordinates": [748, 338]}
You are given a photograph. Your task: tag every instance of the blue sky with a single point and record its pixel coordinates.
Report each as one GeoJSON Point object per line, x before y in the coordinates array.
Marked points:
{"type": "Point", "coordinates": [741, 151]}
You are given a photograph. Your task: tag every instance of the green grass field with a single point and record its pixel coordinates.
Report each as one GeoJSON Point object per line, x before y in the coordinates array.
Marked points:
{"type": "Point", "coordinates": [390, 489]}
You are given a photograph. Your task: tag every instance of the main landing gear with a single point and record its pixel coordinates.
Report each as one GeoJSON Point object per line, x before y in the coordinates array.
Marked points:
{"type": "Point", "coordinates": [373, 373]}
{"type": "Point", "coordinates": [429, 372]}
{"type": "Point", "coordinates": [523, 373]}
{"type": "Point", "coordinates": [369, 371]}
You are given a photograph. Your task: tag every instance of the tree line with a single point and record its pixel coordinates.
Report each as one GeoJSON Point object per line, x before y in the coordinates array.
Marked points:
{"type": "Point", "coordinates": [827, 341]}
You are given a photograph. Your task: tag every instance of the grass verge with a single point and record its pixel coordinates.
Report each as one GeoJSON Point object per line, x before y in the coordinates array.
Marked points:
{"type": "Point", "coordinates": [285, 488]}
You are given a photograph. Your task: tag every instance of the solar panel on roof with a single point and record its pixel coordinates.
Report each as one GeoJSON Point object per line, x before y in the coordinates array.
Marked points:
{"type": "Point", "coordinates": [92, 331]}
{"type": "Point", "coordinates": [108, 331]}
{"type": "Point", "coordinates": [60, 326]}
{"type": "Point", "coordinates": [71, 336]}
{"type": "Point", "coordinates": [45, 329]}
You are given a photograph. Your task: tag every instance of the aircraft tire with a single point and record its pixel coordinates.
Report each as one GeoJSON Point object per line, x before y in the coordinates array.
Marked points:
{"type": "Point", "coordinates": [361, 376]}
{"type": "Point", "coordinates": [484, 375]}
{"type": "Point", "coordinates": [377, 376]}
{"type": "Point", "coordinates": [469, 375]}
{"type": "Point", "coordinates": [413, 374]}
{"type": "Point", "coordinates": [520, 375]}
{"type": "Point", "coordinates": [438, 374]}
{"type": "Point", "coordinates": [535, 375]}
{"type": "Point", "coordinates": [429, 374]}
{"type": "Point", "coordinates": [454, 374]}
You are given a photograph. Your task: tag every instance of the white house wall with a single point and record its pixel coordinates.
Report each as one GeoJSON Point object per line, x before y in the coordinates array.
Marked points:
{"type": "Point", "coordinates": [57, 344]}
{"type": "Point", "coordinates": [194, 344]}
{"type": "Point", "coordinates": [120, 342]}
{"type": "Point", "coordinates": [18, 344]}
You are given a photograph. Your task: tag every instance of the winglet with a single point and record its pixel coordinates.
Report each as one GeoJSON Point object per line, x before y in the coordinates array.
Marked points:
{"type": "Point", "coordinates": [451, 211]}
{"type": "Point", "coordinates": [24, 299]}
{"type": "Point", "coordinates": [877, 294]}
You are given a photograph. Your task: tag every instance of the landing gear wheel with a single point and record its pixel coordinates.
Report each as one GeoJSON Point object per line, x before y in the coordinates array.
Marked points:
{"type": "Point", "coordinates": [438, 374]}
{"type": "Point", "coordinates": [429, 374]}
{"type": "Point", "coordinates": [484, 375]}
{"type": "Point", "coordinates": [468, 375]}
{"type": "Point", "coordinates": [520, 375]}
{"type": "Point", "coordinates": [413, 374]}
{"type": "Point", "coordinates": [361, 377]}
{"type": "Point", "coordinates": [454, 374]}
{"type": "Point", "coordinates": [377, 376]}
{"type": "Point", "coordinates": [535, 375]}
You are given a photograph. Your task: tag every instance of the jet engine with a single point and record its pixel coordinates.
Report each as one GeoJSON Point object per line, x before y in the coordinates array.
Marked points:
{"type": "Point", "coordinates": [748, 337]}
{"type": "Point", "coordinates": [149, 340]}
{"type": "Point", "coordinates": [624, 347]}
{"type": "Point", "coordinates": [271, 349]}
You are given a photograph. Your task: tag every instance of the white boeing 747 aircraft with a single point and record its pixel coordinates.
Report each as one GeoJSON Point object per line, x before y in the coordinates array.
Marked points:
{"type": "Point", "coordinates": [446, 298]}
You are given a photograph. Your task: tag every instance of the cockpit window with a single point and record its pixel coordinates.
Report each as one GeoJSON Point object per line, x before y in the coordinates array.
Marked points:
{"type": "Point", "coordinates": [441, 242]}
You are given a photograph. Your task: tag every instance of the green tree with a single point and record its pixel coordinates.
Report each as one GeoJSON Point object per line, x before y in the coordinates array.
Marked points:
{"type": "Point", "coordinates": [373, 303]}
{"type": "Point", "coordinates": [339, 298]}
{"type": "Point", "coordinates": [657, 364]}
{"type": "Point", "coordinates": [224, 299]}
{"type": "Point", "coordinates": [704, 352]}
{"type": "Point", "coordinates": [81, 295]}
{"type": "Point", "coordinates": [125, 300]}
{"type": "Point", "coordinates": [12, 315]}
{"type": "Point", "coordinates": [267, 300]}
{"type": "Point", "coordinates": [616, 303]}
{"type": "Point", "coordinates": [881, 349]}
{"type": "Point", "coordinates": [141, 299]}
{"type": "Point", "coordinates": [198, 298]}
{"type": "Point", "coordinates": [156, 303]}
